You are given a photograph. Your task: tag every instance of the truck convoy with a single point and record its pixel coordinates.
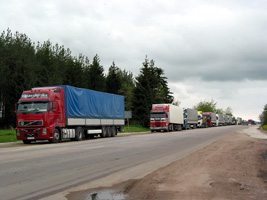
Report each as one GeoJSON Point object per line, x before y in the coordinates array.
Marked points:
{"type": "Point", "coordinates": [211, 118]}
{"type": "Point", "coordinates": [55, 113]}
{"type": "Point", "coordinates": [166, 117]}
{"type": "Point", "coordinates": [65, 112]}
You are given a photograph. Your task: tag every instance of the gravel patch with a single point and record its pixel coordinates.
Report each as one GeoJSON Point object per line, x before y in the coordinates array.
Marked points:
{"type": "Point", "coordinates": [253, 131]}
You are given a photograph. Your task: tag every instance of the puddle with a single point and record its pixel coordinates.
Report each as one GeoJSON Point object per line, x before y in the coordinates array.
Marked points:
{"type": "Point", "coordinates": [106, 195]}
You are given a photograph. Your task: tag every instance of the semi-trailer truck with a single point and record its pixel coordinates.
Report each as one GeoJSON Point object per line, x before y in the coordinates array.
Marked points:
{"type": "Point", "coordinates": [62, 112]}
{"type": "Point", "coordinates": [166, 117]}
{"type": "Point", "coordinates": [211, 118]}
{"type": "Point", "coordinates": [221, 120]}
{"type": "Point", "coordinates": [202, 121]}
{"type": "Point", "coordinates": [225, 117]}
{"type": "Point", "coordinates": [239, 120]}
{"type": "Point", "coordinates": [190, 118]}
{"type": "Point", "coordinates": [230, 119]}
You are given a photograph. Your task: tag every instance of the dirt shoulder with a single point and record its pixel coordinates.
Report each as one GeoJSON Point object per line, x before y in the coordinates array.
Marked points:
{"type": "Point", "coordinates": [234, 167]}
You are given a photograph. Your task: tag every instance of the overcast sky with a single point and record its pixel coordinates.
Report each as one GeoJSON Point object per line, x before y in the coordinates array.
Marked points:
{"type": "Point", "coordinates": [213, 49]}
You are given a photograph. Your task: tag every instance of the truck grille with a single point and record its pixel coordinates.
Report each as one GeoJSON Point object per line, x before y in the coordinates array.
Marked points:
{"type": "Point", "coordinates": [31, 123]}
{"type": "Point", "coordinates": [31, 134]}
{"type": "Point", "coordinates": [158, 124]}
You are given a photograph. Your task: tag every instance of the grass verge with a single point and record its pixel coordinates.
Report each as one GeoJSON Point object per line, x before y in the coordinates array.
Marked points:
{"type": "Point", "coordinates": [264, 127]}
{"type": "Point", "coordinates": [134, 128]}
{"type": "Point", "coordinates": [8, 135]}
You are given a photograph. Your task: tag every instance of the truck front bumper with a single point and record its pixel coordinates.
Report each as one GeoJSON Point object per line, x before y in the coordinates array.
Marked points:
{"type": "Point", "coordinates": [33, 133]}
{"type": "Point", "coordinates": [158, 128]}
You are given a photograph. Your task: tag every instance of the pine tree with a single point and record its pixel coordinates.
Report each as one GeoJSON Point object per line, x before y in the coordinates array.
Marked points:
{"type": "Point", "coordinates": [113, 83]}
{"type": "Point", "coordinates": [17, 66]}
{"type": "Point", "coordinates": [151, 87]}
{"type": "Point", "coordinates": [127, 87]}
{"type": "Point", "coordinates": [95, 75]}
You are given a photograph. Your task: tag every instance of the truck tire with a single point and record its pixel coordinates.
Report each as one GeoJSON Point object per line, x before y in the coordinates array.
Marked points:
{"type": "Point", "coordinates": [79, 135]}
{"type": "Point", "coordinates": [108, 131]}
{"type": "Point", "coordinates": [104, 132]}
{"type": "Point", "coordinates": [56, 136]}
{"type": "Point", "coordinates": [113, 131]}
{"type": "Point", "coordinates": [170, 127]}
{"type": "Point", "coordinates": [188, 126]}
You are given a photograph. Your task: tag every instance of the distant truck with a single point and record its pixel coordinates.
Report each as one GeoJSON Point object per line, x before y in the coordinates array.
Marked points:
{"type": "Point", "coordinates": [202, 121]}
{"type": "Point", "coordinates": [251, 122]}
{"type": "Point", "coordinates": [231, 120]}
{"type": "Point", "coordinates": [239, 121]}
{"type": "Point", "coordinates": [65, 112]}
{"type": "Point", "coordinates": [211, 118]}
{"type": "Point", "coordinates": [221, 121]}
{"type": "Point", "coordinates": [226, 119]}
{"type": "Point", "coordinates": [244, 122]}
{"type": "Point", "coordinates": [166, 117]}
{"type": "Point", "coordinates": [234, 120]}
{"type": "Point", "coordinates": [190, 118]}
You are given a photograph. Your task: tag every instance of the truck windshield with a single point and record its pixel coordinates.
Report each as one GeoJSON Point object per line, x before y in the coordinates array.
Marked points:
{"type": "Point", "coordinates": [157, 115]}
{"type": "Point", "coordinates": [32, 107]}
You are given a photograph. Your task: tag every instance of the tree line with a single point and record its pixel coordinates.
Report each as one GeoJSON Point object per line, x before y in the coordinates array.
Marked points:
{"type": "Point", "coordinates": [211, 106]}
{"type": "Point", "coordinates": [24, 64]}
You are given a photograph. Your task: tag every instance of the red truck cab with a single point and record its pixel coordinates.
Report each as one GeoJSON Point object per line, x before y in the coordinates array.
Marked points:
{"type": "Point", "coordinates": [39, 111]}
{"type": "Point", "coordinates": [211, 118]}
{"type": "Point", "coordinates": [159, 117]}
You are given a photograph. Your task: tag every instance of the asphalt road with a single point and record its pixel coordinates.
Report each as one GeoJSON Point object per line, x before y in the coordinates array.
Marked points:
{"type": "Point", "coordinates": [39, 170]}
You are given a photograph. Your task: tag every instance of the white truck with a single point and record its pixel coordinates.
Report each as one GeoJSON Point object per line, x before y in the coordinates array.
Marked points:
{"type": "Point", "coordinates": [190, 118]}
{"type": "Point", "coordinates": [202, 121]}
{"type": "Point", "coordinates": [221, 120]}
{"type": "Point", "coordinates": [166, 117]}
{"type": "Point", "coordinates": [239, 121]}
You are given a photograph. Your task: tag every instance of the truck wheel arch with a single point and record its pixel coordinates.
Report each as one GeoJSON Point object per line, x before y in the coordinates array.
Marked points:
{"type": "Point", "coordinates": [57, 132]}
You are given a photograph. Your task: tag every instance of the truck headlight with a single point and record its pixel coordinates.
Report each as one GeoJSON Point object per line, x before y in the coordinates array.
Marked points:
{"type": "Point", "coordinates": [44, 131]}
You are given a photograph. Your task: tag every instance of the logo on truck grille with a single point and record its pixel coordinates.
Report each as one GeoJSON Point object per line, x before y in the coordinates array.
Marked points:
{"type": "Point", "coordinates": [31, 123]}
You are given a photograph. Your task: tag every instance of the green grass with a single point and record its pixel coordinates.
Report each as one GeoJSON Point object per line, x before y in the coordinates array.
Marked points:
{"type": "Point", "coordinates": [134, 128]}
{"type": "Point", "coordinates": [8, 135]}
{"type": "Point", "coordinates": [264, 127]}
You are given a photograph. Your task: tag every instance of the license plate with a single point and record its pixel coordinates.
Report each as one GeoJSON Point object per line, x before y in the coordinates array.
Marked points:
{"type": "Point", "coordinates": [30, 138]}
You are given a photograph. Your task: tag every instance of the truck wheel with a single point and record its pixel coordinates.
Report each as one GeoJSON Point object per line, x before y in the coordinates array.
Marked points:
{"type": "Point", "coordinates": [27, 141]}
{"type": "Point", "coordinates": [113, 131]}
{"type": "Point", "coordinates": [104, 132]}
{"type": "Point", "coordinates": [186, 126]}
{"type": "Point", "coordinates": [108, 131]}
{"type": "Point", "coordinates": [79, 135]}
{"type": "Point", "coordinates": [56, 138]}
{"type": "Point", "coordinates": [170, 127]}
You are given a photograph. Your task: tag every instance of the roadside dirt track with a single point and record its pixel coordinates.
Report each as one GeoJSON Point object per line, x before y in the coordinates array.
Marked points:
{"type": "Point", "coordinates": [234, 167]}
